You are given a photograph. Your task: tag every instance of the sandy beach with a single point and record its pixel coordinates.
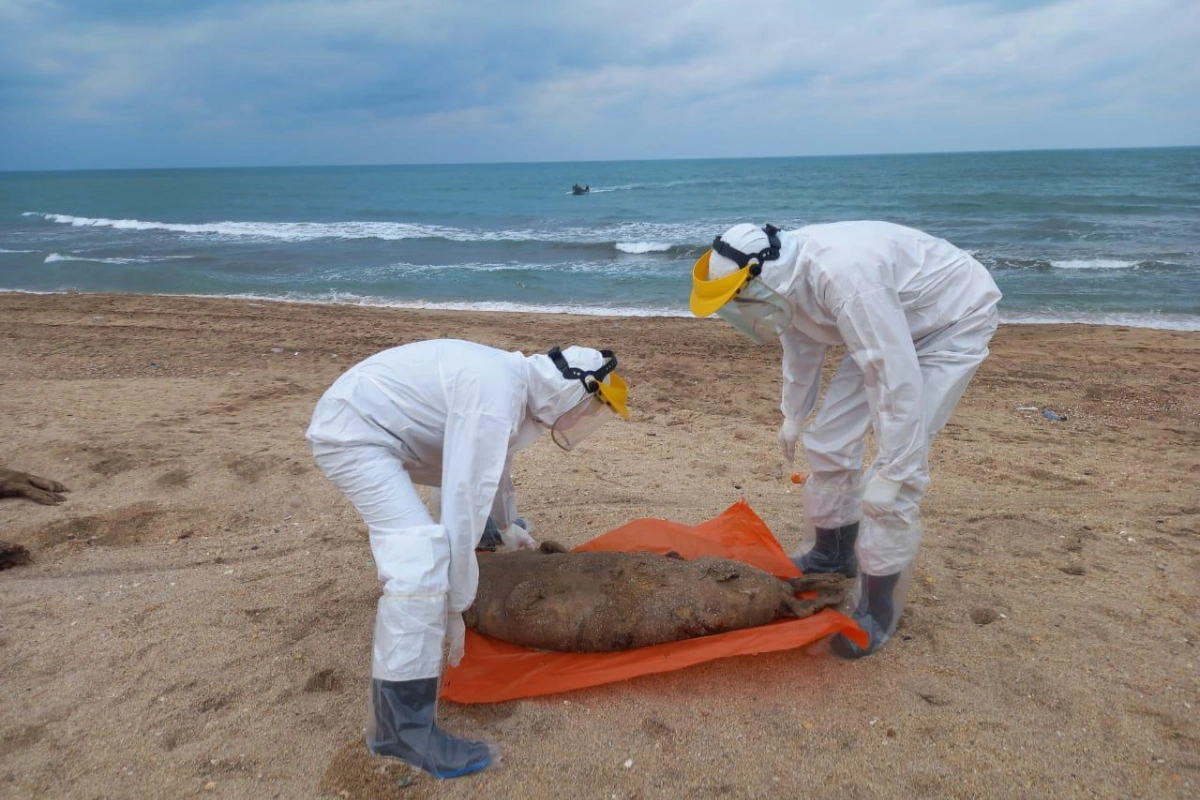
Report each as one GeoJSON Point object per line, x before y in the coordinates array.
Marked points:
{"type": "Point", "coordinates": [197, 617]}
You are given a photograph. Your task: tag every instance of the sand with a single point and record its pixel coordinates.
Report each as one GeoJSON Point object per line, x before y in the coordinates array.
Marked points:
{"type": "Point", "coordinates": [198, 613]}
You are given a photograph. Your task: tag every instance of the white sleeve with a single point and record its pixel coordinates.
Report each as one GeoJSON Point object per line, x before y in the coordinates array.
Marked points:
{"type": "Point", "coordinates": [474, 453]}
{"type": "Point", "coordinates": [879, 340]}
{"type": "Point", "coordinates": [802, 360]}
{"type": "Point", "coordinates": [504, 507]}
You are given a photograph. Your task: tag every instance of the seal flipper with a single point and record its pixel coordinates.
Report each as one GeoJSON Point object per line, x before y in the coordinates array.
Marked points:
{"type": "Point", "coordinates": [830, 589]}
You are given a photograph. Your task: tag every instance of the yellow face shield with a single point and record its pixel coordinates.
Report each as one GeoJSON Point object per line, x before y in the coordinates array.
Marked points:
{"type": "Point", "coordinates": [749, 305]}
{"type": "Point", "coordinates": [710, 295]}
{"type": "Point", "coordinates": [614, 393]}
{"type": "Point", "coordinates": [591, 413]}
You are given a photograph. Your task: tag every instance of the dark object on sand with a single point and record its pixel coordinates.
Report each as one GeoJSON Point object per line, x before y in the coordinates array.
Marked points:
{"type": "Point", "coordinates": [22, 484]}
{"type": "Point", "coordinates": [597, 602]}
{"type": "Point", "coordinates": [577, 189]}
{"type": "Point", "coordinates": [12, 555]}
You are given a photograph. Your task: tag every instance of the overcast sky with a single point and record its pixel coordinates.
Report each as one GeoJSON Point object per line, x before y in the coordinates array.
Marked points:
{"type": "Point", "coordinates": [150, 83]}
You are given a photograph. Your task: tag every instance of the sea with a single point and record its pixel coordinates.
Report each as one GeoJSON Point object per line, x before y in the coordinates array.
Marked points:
{"type": "Point", "coordinates": [1087, 236]}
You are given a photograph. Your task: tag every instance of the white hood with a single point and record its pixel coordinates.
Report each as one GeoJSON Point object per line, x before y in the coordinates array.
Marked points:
{"type": "Point", "coordinates": [550, 394]}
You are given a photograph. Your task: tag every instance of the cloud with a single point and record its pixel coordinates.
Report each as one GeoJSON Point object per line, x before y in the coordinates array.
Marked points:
{"type": "Point", "coordinates": [134, 83]}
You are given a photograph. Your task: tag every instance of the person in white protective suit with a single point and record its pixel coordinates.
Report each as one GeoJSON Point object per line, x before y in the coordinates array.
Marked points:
{"type": "Point", "coordinates": [447, 414]}
{"type": "Point", "coordinates": [915, 314]}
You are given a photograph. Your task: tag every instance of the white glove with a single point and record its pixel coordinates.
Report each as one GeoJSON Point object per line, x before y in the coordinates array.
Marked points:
{"type": "Point", "coordinates": [789, 434]}
{"type": "Point", "coordinates": [879, 497]}
{"type": "Point", "coordinates": [517, 538]}
{"type": "Point", "coordinates": [456, 637]}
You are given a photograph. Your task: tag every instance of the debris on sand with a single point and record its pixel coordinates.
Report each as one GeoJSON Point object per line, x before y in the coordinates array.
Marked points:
{"type": "Point", "coordinates": [12, 555]}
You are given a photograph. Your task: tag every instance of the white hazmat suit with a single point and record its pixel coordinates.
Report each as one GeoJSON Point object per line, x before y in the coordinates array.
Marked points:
{"type": "Point", "coordinates": [446, 414]}
{"type": "Point", "coordinates": [915, 314]}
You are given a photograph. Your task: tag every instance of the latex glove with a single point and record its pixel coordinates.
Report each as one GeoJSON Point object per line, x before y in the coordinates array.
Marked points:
{"type": "Point", "coordinates": [517, 538]}
{"type": "Point", "coordinates": [789, 434]}
{"type": "Point", "coordinates": [879, 496]}
{"type": "Point", "coordinates": [456, 637]}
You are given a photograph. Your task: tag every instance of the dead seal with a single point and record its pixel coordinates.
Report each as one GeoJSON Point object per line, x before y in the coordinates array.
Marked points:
{"type": "Point", "coordinates": [22, 484]}
{"type": "Point", "coordinates": [597, 602]}
{"type": "Point", "coordinates": [40, 490]}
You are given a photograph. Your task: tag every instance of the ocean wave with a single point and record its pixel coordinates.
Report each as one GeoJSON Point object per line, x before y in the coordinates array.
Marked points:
{"type": "Point", "coordinates": [1094, 263]}
{"type": "Point", "coordinates": [405, 269]}
{"type": "Point", "coordinates": [54, 257]}
{"type": "Point", "coordinates": [1010, 263]}
{"type": "Point", "coordinates": [678, 234]}
{"type": "Point", "coordinates": [1166, 322]}
{"type": "Point", "coordinates": [285, 231]}
{"type": "Point", "coordinates": [6, 250]}
{"type": "Point", "coordinates": [639, 248]}
{"type": "Point", "coordinates": [346, 298]}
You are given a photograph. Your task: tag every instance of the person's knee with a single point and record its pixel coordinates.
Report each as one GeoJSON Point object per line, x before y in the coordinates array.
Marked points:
{"type": "Point", "coordinates": [412, 560]}
{"type": "Point", "coordinates": [890, 543]}
{"type": "Point", "coordinates": [832, 457]}
{"type": "Point", "coordinates": [833, 499]}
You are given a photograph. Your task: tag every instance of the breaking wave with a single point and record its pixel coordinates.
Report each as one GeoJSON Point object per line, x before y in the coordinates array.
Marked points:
{"type": "Point", "coordinates": [639, 248]}
{"type": "Point", "coordinates": [628, 234]}
{"type": "Point", "coordinates": [53, 257]}
{"type": "Point", "coordinates": [1094, 263]}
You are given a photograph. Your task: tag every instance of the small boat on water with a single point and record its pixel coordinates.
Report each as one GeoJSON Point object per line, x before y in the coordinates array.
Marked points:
{"type": "Point", "coordinates": [577, 189]}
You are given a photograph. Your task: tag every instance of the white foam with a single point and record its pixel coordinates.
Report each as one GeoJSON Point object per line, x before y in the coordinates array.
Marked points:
{"type": "Point", "coordinates": [1165, 322]}
{"type": "Point", "coordinates": [637, 248]}
{"type": "Point", "coordinates": [347, 298]}
{"type": "Point", "coordinates": [6, 250]}
{"type": "Point", "coordinates": [405, 269]}
{"type": "Point", "coordinates": [1172, 322]}
{"type": "Point", "coordinates": [606, 190]}
{"type": "Point", "coordinates": [396, 231]}
{"type": "Point", "coordinates": [1094, 263]}
{"type": "Point", "coordinates": [53, 257]}
{"type": "Point", "coordinates": [612, 189]}
{"type": "Point", "coordinates": [286, 231]}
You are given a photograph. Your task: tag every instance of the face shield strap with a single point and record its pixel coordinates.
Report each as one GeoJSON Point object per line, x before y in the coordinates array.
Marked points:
{"type": "Point", "coordinates": [752, 260]}
{"type": "Point", "coordinates": [590, 378]}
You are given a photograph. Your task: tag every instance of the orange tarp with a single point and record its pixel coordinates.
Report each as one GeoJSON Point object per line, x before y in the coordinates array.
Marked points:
{"type": "Point", "coordinates": [492, 670]}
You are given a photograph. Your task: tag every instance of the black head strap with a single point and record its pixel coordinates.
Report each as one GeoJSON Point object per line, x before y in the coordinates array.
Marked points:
{"type": "Point", "coordinates": [590, 378]}
{"type": "Point", "coordinates": [753, 260]}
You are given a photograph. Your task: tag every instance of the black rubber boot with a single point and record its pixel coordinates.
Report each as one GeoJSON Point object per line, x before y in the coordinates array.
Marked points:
{"type": "Point", "coordinates": [491, 537]}
{"type": "Point", "coordinates": [877, 614]}
{"type": "Point", "coordinates": [405, 729]}
{"type": "Point", "coordinates": [833, 552]}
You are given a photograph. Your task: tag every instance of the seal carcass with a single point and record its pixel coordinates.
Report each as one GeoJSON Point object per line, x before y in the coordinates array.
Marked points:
{"type": "Point", "coordinates": [22, 484]}
{"type": "Point", "coordinates": [594, 602]}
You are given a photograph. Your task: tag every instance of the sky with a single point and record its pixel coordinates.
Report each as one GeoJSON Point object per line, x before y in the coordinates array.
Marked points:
{"type": "Point", "coordinates": [200, 83]}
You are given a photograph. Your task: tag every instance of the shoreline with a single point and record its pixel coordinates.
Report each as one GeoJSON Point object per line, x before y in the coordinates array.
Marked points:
{"type": "Point", "coordinates": [202, 604]}
{"type": "Point", "coordinates": [1110, 320]}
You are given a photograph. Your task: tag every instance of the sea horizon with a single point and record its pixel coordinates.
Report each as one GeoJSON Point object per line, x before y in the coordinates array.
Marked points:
{"type": "Point", "coordinates": [1095, 236]}
{"type": "Point", "coordinates": [370, 164]}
